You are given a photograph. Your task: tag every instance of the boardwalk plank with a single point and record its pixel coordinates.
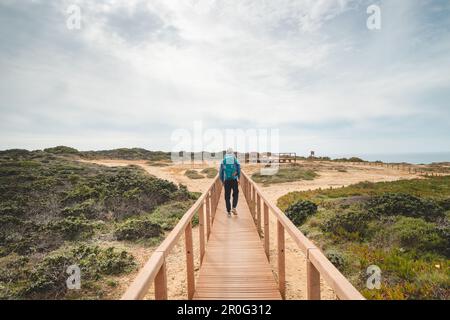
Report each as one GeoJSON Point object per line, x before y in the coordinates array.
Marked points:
{"type": "Point", "coordinates": [235, 265]}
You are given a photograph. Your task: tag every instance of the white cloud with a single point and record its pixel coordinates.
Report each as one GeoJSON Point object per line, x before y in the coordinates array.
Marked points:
{"type": "Point", "coordinates": [137, 65]}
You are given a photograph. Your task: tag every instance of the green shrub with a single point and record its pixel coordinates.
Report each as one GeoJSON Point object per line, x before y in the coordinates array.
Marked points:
{"type": "Point", "coordinates": [210, 172]}
{"type": "Point", "coordinates": [193, 174]}
{"type": "Point", "coordinates": [350, 221]}
{"type": "Point", "coordinates": [405, 276]}
{"type": "Point", "coordinates": [445, 204]}
{"type": "Point", "coordinates": [81, 192]}
{"type": "Point", "coordinates": [128, 154]}
{"type": "Point", "coordinates": [13, 276]}
{"type": "Point", "coordinates": [183, 194]}
{"type": "Point", "coordinates": [285, 174]}
{"type": "Point", "coordinates": [10, 208]}
{"type": "Point", "coordinates": [168, 215]}
{"type": "Point", "coordinates": [336, 258]}
{"type": "Point", "coordinates": [392, 204]}
{"type": "Point", "coordinates": [48, 278]}
{"type": "Point", "coordinates": [416, 233]}
{"type": "Point", "coordinates": [134, 229]}
{"type": "Point", "coordinates": [84, 208]}
{"type": "Point", "coordinates": [62, 150]}
{"type": "Point", "coordinates": [72, 228]}
{"type": "Point", "coordinates": [434, 187]}
{"type": "Point", "coordinates": [96, 261]}
{"type": "Point", "coordinates": [300, 211]}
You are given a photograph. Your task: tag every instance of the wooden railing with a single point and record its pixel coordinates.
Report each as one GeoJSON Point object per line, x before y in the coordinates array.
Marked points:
{"type": "Point", "coordinates": [316, 263]}
{"type": "Point", "coordinates": [154, 270]}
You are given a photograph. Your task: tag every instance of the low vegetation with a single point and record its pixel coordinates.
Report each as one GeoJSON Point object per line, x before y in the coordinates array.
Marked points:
{"type": "Point", "coordinates": [403, 227]}
{"type": "Point", "coordinates": [299, 211]}
{"type": "Point", "coordinates": [193, 174]}
{"type": "Point", "coordinates": [285, 174]}
{"type": "Point", "coordinates": [56, 212]}
{"type": "Point", "coordinates": [209, 173]}
{"type": "Point", "coordinates": [128, 154]}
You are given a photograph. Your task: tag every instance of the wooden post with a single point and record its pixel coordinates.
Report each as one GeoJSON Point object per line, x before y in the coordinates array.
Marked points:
{"type": "Point", "coordinates": [281, 261]}
{"type": "Point", "coordinates": [208, 216]}
{"type": "Point", "coordinates": [219, 184]}
{"type": "Point", "coordinates": [266, 231]}
{"type": "Point", "coordinates": [213, 206]}
{"type": "Point", "coordinates": [201, 230]}
{"type": "Point", "coordinates": [258, 215]}
{"type": "Point", "coordinates": [249, 188]}
{"type": "Point", "coordinates": [217, 197]}
{"type": "Point", "coordinates": [253, 202]}
{"type": "Point", "coordinates": [189, 260]}
{"type": "Point", "coordinates": [312, 281]}
{"type": "Point", "coordinates": [161, 283]}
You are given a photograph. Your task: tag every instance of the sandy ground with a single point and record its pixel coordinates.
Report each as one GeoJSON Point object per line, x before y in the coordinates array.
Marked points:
{"type": "Point", "coordinates": [330, 175]}
{"type": "Point", "coordinates": [173, 173]}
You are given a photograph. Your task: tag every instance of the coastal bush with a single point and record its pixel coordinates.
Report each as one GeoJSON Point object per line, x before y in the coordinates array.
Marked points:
{"type": "Point", "coordinates": [50, 203]}
{"type": "Point", "coordinates": [134, 229]}
{"type": "Point", "coordinates": [348, 221]}
{"type": "Point", "coordinates": [210, 172]}
{"type": "Point", "coordinates": [285, 174]}
{"type": "Point", "coordinates": [417, 234]}
{"type": "Point", "coordinates": [48, 278]}
{"type": "Point", "coordinates": [401, 226]}
{"type": "Point", "coordinates": [72, 228]}
{"type": "Point", "coordinates": [435, 188]}
{"type": "Point", "coordinates": [336, 258]}
{"type": "Point", "coordinates": [391, 204]}
{"type": "Point", "coordinates": [128, 154]}
{"type": "Point", "coordinates": [193, 174]}
{"type": "Point", "coordinates": [62, 150]}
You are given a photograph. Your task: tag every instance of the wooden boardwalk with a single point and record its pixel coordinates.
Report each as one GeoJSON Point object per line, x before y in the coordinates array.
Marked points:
{"type": "Point", "coordinates": [235, 265]}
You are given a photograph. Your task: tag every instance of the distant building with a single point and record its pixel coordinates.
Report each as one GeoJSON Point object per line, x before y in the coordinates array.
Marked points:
{"type": "Point", "coordinates": [313, 154]}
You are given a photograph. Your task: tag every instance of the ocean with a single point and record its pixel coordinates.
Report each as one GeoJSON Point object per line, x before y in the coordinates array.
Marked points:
{"type": "Point", "coordinates": [413, 158]}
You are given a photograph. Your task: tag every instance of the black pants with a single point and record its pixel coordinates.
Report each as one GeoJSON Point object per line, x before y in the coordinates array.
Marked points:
{"type": "Point", "coordinates": [231, 185]}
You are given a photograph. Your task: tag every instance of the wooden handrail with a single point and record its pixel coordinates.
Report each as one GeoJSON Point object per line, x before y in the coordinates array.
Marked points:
{"type": "Point", "coordinates": [317, 264]}
{"type": "Point", "coordinates": [154, 271]}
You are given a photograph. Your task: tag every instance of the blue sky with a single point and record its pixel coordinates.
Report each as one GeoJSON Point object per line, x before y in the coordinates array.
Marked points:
{"type": "Point", "coordinates": [138, 70]}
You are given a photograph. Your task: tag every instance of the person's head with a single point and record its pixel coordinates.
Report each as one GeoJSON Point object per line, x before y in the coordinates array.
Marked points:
{"type": "Point", "coordinates": [230, 151]}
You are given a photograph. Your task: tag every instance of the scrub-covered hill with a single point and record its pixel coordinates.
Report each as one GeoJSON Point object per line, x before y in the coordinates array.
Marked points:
{"type": "Point", "coordinates": [56, 212]}
{"type": "Point", "coordinates": [403, 227]}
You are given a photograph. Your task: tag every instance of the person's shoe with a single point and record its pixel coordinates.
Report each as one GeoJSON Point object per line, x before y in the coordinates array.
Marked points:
{"type": "Point", "coordinates": [229, 213]}
{"type": "Point", "coordinates": [234, 211]}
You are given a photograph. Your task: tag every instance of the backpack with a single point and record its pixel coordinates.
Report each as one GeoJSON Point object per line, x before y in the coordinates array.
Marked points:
{"type": "Point", "coordinates": [229, 164]}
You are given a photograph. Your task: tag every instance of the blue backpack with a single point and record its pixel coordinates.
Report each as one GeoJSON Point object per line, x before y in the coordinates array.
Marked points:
{"type": "Point", "coordinates": [230, 168]}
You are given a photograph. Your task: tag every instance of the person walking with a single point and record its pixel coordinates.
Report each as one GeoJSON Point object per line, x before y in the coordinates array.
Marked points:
{"type": "Point", "coordinates": [230, 173]}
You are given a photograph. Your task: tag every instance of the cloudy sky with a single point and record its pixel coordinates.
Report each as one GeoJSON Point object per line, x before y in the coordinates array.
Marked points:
{"type": "Point", "coordinates": [138, 70]}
